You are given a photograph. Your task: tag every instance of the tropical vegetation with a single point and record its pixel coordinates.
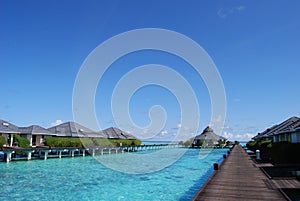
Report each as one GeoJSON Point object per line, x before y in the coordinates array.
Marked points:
{"type": "Point", "coordinates": [221, 143]}
{"type": "Point", "coordinates": [21, 141]}
{"type": "Point", "coordinates": [2, 141]}
{"type": "Point", "coordinates": [278, 152]}
{"type": "Point", "coordinates": [89, 142]}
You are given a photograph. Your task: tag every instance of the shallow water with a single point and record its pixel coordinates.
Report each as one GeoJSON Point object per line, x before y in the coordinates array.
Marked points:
{"type": "Point", "coordinates": [84, 178]}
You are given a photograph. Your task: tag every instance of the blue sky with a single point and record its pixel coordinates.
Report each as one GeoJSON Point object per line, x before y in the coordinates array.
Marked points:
{"type": "Point", "coordinates": [254, 44]}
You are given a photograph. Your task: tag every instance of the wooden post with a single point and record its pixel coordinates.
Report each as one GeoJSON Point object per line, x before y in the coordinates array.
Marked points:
{"type": "Point", "coordinates": [46, 154]}
{"type": "Point", "coordinates": [216, 166]}
{"type": "Point", "coordinates": [8, 155]}
{"type": "Point", "coordinates": [28, 155]}
{"type": "Point", "coordinates": [73, 152]}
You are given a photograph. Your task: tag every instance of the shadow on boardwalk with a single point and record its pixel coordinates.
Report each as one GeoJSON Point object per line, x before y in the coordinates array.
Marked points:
{"type": "Point", "coordinates": [238, 179]}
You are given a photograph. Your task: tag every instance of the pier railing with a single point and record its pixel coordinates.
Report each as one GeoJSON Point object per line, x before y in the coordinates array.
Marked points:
{"type": "Point", "coordinates": [45, 152]}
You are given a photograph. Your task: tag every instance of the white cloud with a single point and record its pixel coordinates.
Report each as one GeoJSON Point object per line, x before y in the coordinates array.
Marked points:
{"type": "Point", "coordinates": [228, 135]}
{"type": "Point", "coordinates": [221, 13]}
{"type": "Point", "coordinates": [57, 122]}
{"type": "Point", "coordinates": [224, 12]}
{"type": "Point", "coordinates": [240, 8]}
{"type": "Point", "coordinates": [146, 133]}
{"type": "Point", "coordinates": [238, 137]}
{"type": "Point", "coordinates": [164, 133]}
{"type": "Point", "coordinates": [217, 119]}
{"type": "Point", "coordinates": [185, 129]}
{"type": "Point", "coordinates": [217, 124]}
{"type": "Point", "coordinates": [244, 137]}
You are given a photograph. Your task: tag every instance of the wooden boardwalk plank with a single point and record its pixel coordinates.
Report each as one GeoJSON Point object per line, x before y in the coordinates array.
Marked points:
{"type": "Point", "coordinates": [238, 179]}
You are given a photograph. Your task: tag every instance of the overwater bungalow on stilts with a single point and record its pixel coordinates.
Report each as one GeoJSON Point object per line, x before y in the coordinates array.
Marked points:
{"type": "Point", "coordinates": [208, 139]}
{"type": "Point", "coordinates": [37, 135]}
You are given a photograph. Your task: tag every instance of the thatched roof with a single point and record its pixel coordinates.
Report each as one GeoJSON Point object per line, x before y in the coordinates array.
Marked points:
{"type": "Point", "coordinates": [6, 127]}
{"type": "Point", "coordinates": [208, 134]}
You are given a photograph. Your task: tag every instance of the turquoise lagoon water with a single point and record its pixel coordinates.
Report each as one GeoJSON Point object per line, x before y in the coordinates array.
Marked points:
{"type": "Point", "coordinates": [84, 178]}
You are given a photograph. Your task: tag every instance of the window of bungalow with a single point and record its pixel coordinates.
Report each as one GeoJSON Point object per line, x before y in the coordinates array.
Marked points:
{"type": "Point", "coordinates": [295, 137]}
{"type": "Point", "coordinates": [275, 138]}
{"type": "Point", "coordinates": [289, 137]}
{"type": "Point", "coordinates": [282, 138]}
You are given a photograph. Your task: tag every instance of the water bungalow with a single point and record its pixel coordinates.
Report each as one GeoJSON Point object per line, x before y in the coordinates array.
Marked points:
{"type": "Point", "coordinates": [37, 134]}
{"type": "Point", "coordinates": [8, 130]}
{"type": "Point", "coordinates": [288, 130]}
{"type": "Point", "coordinates": [208, 138]}
{"type": "Point", "coordinates": [72, 129]}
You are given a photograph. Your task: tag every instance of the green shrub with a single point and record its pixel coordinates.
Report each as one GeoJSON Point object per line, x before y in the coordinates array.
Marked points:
{"type": "Point", "coordinates": [261, 145]}
{"type": "Point", "coordinates": [124, 142]}
{"type": "Point", "coordinates": [102, 142]}
{"type": "Point", "coordinates": [187, 143]}
{"type": "Point", "coordinates": [137, 142]}
{"type": "Point", "coordinates": [200, 142]}
{"type": "Point", "coordinates": [280, 152]}
{"type": "Point", "coordinates": [21, 142]}
{"type": "Point", "coordinates": [89, 142]}
{"type": "Point", "coordinates": [252, 145]}
{"type": "Point", "coordinates": [229, 143]}
{"type": "Point", "coordinates": [51, 141]}
{"type": "Point", "coordinates": [2, 141]}
{"type": "Point", "coordinates": [63, 142]}
{"type": "Point", "coordinates": [222, 143]}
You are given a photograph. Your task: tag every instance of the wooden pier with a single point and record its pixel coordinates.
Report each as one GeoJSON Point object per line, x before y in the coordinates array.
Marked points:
{"type": "Point", "coordinates": [238, 179]}
{"type": "Point", "coordinates": [59, 152]}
